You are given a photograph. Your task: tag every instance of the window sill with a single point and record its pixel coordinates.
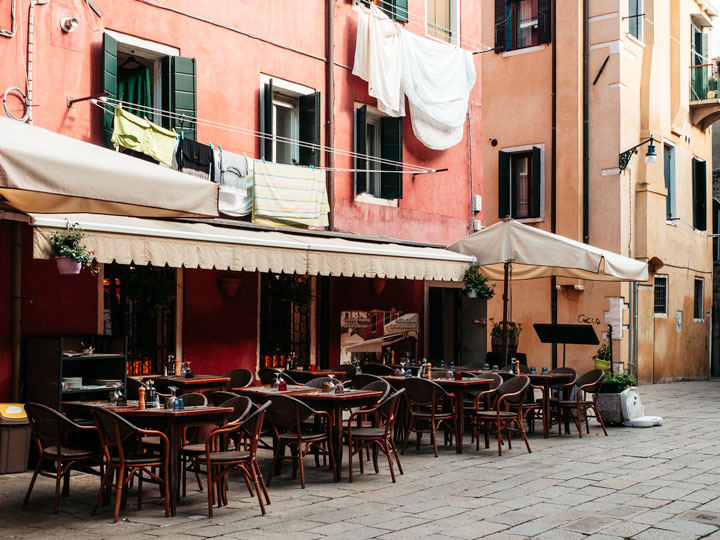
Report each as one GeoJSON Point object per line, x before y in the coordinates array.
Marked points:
{"type": "Point", "coordinates": [671, 222]}
{"type": "Point", "coordinates": [372, 199]}
{"type": "Point", "coordinates": [530, 219]}
{"type": "Point", "coordinates": [699, 320]}
{"type": "Point", "coordinates": [635, 40]}
{"type": "Point", "coordinates": [661, 315]}
{"type": "Point", "coordinates": [524, 50]}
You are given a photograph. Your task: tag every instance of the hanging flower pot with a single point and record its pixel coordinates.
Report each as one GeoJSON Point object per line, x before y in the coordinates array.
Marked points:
{"type": "Point", "coordinates": [67, 266]}
{"type": "Point", "coordinates": [229, 286]}
{"type": "Point", "coordinates": [471, 293]}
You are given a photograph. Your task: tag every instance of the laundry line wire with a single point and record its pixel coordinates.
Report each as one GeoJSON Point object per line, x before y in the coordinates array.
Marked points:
{"type": "Point", "coordinates": [108, 101]}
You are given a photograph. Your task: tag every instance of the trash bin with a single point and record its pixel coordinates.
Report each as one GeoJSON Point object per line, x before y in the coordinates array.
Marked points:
{"type": "Point", "coordinates": [14, 438]}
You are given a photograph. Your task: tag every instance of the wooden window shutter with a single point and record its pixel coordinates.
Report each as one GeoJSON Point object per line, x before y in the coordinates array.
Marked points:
{"type": "Point", "coordinates": [180, 94]}
{"type": "Point", "coordinates": [391, 183]}
{"type": "Point", "coordinates": [536, 182]}
{"type": "Point", "coordinates": [503, 184]}
{"type": "Point", "coordinates": [699, 195]}
{"type": "Point", "coordinates": [400, 10]}
{"type": "Point", "coordinates": [669, 173]}
{"type": "Point", "coordinates": [361, 178]}
{"type": "Point", "coordinates": [500, 24]}
{"type": "Point", "coordinates": [310, 124]}
{"type": "Point", "coordinates": [544, 21]}
{"type": "Point", "coordinates": [266, 144]}
{"type": "Point", "coordinates": [110, 84]}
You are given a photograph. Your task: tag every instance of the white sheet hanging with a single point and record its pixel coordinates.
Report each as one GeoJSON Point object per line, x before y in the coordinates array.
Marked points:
{"type": "Point", "coordinates": [436, 78]}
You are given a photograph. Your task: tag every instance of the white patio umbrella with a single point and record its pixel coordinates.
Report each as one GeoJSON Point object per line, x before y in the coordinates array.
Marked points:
{"type": "Point", "coordinates": [534, 253]}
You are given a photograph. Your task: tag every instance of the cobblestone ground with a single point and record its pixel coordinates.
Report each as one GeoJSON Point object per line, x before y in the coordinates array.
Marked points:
{"type": "Point", "coordinates": [657, 483]}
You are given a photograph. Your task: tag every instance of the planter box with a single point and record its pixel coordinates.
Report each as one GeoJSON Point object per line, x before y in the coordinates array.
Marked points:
{"type": "Point", "coordinates": [610, 409]}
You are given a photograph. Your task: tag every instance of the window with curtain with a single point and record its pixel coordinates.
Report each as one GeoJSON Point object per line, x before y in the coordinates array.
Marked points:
{"type": "Point", "coordinates": [522, 23]}
{"type": "Point", "coordinates": [378, 136]}
{"type": "Point", "coordinates": [520, 183]}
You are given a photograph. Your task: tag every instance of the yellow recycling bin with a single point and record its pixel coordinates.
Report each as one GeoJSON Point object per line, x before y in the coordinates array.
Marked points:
{"type": "Point", "coordinates": [14, 438]}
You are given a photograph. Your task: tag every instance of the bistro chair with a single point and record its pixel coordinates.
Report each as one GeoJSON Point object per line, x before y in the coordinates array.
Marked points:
{"type": "Point", "coordinates": [425, 400]}
{"type": "Point", "coordinates": [239, 378]}
{"type": "Point", "coordinates": [349, 369]}
{"type": "Point", "coordinates": [557, 390]}
{"type": "Point", "coordinates": [362, 379]}
{"type": "Point", "coordinates": [317, 382]}
{"type": "Point", "coordinates": [378, 369]}
{"type": "Point", "coordinates": [287, 415]}
{"type": "Point", "coordinates": [509, 395]}
{"type": "Point", "coordinates": [380, 436]}
{"type": "Point", "coordinates": [268, 376]}
{"type": "Point", "coordinates": [127, 457]}
{"type": "Point", "coordinates": [485, 399]}
{"type": "Point", "coordinates": [221, 396]}
{"type": "Point", "coordinates": [51, 431]}
{"type": "Point", "coordinates": [219, 461]}
{"type": "Point", "coordinates": [580, 407]}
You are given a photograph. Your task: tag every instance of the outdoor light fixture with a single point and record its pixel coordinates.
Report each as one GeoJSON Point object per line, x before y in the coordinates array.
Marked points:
{"type": "Point", "coordinates": [69, 24]}
{"type": "Point", "coordinates": [650, 156]}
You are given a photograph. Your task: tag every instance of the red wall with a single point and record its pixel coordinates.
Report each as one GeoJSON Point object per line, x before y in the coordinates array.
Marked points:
{"type": "Point", "coordinates": [347, 294]}
{"type": "Point", "coordinates": [5, 295]}
{"type": "Point", "coordinates": [219, 333]}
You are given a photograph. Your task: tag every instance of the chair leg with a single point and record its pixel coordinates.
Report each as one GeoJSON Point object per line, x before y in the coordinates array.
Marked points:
{"type": "Point", "coordinates": [118, 498]}
{"type": "Point", "coordinates": [499, 438]}
{"type": "Point", "coordinates": [578, 421]}
{"type": "Point", "coordinates": [58, 477]}
{"type": "Point", "coordinates": [103, 486]}
{"type": "Point", "coordinates": [247, 472]}
{"type": "Point", "coordinates": [302, 467]}
{"type": "Point", "coordinates": [388, 451]}
{"type": "Point", "coordinates": [350, 458]}
{"type": "Point", "coordinates": [332, 459]}
{"type": "Point", "coordinates": [597, 415]}
{"type": "Point", "coordinates": [210, 490]}
{"type": "Point", "coordinates": [260, 479]}
{"type": "Point", "coordinates": [375, 458]}
{"type": "Point", "coordinates": [524, 437]}
{"type": "Point", "coordinates": [397, 458]}
{"type": "Point", "coordinates": [32, 481]}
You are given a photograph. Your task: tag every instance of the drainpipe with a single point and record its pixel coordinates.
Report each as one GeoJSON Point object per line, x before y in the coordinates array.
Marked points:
{"type": "Point", "coordinates": [16, 307]}
{"type": "Point", "coordinates": [553, 176]}
{"type": "Point", "coordinates": [30, 54]}
{"type": "Point", "coordinates": [586, 124]}
{"type": "Point", "coordinates": [330, 110]}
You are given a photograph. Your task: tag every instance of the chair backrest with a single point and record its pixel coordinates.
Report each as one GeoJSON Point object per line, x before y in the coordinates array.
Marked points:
{"type": "Point", "coordinates": [349, 369]}
{"type": "Point", "coordinates": [241, 408]}
{"type": "Point", "coordinates": [362, 379]}
{"type": "Point", "coordinates": [221, 396]}
{"type": "Point", "coordinates": [379, 386]}
{"type": "Point", "coordinates": [132, 388]}
{"type": "Point", "coordinates": [593, 378]}
{"type": "Point", "coordinates": [194, 399]}
{"type": "Point", "coordinates": [496, 379]}
{"type": "Point", "coordinates": [268, 375]}
{"type": "Point", "coordinates": [239, 378]}
{"type": "Point", "coordinates": [118, 437]}
{"type": "Point", "coordinates": [252, 425]}
{"type": "Point", "coordinates": [423, 392]}
{"type": "Point", "coordinates": [388, 408]}
{"type": "Point", "coordinates": [518, 384]}
{"type": "Point", "coordinates": [317, 382]}
{"type": "Point", "coordinates": [288, 412]}
{"type": "Point", "coordinates": [48, 426]}
{"type": "Point", "coordinates": [378, 369]}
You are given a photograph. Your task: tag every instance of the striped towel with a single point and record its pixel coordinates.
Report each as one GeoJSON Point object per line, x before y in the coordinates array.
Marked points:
{"type": "Point", "coordinates": [289, 195]}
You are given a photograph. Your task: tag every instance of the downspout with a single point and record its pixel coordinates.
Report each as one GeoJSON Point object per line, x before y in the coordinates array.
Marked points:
{"type": "Point", "coordinates": [553, 176]}
{"type": "Point", "coordinates": [330, 111]}
{"type": "Point", "coordinates": [16, 307]}
{"type": "Point", "coordinates": [30, 54]}
{"type": "Point", "coordinates": [586, 124]}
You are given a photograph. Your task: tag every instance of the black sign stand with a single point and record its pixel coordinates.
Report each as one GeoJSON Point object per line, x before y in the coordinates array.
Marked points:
{"type": "Point", "coordinates": [575, 334]}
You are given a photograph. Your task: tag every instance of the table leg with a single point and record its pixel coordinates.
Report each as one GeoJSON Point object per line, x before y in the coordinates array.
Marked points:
{"type": "Point", "coordinates": [337, 438]}
{"type": "Point", "coordinates": [174, 436]}
{"type": "Point", "coordinates": [460, 420]}
{"type": "Point", "coordinates": [546, 409]}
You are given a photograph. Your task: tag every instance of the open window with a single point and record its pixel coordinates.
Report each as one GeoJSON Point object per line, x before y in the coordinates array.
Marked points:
{"type": "Point", "coordinates": [699, 194]}
{"type": "Point", "coordinates": [291, 113]}
{"type": "Point", "coordinates": [522, 23]}
{"type": "Point", "coordinates": [520, 183]}
{"type": "Point", "coordinates": [442, 20]}
{"type": "Point", "coordinates": [378, 136]}
{"type": "Point", "coordinates": [395, 9]}
{"type": "Point", "coordinates": [152, 75]}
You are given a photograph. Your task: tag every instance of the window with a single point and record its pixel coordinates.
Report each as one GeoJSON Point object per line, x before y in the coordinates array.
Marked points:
{"type": "Point", "coordinates": [521, 23]}
{"type": "Point", "coordinates": [699, 194]}
{"type": "Point", "coordinates": [698, 303]}
{"type": "Point", "coordinates": [161, 80]}
{"type": "Point", "coordinates": [378, 136]}
{"type": "Point", "coordinates": [635, 19]}
{"type": "Point", "coordinates": [660, 290]}
{"type": "Point", "coordinates": [699, 57]}
{"type": "Point", "coordinates": [669, 171]}
{"type": "Point", "coordinates": [291, 113]}
{"type": "Point", "coordinates": [520, 183]}
{"type": "Point", "coordinates": [442, 19]}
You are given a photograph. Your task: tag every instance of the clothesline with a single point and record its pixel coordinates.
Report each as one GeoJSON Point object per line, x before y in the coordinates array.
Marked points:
{"type": "Point", "coordinates": [105, 102]}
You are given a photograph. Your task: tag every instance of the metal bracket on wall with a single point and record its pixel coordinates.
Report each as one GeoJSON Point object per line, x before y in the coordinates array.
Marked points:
{"type": "Point", "coordinates": [428, 172]}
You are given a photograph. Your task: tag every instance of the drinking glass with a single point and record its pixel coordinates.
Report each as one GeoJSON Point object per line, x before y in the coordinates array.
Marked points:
{"type": "Point", "coordinates": [494, 368]}
{"type": "Point", "coordinates": [544, 371]}
{"type": "Point", "coordinates": [486, 367]}
{"type": "Point", "coordinates": [533, 370]}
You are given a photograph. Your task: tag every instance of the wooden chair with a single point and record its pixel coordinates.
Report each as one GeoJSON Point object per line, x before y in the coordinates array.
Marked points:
{"type": "Point", "coordinates": [510, 394]}
{"type": "Point", "coordinates": [239, 378]}
{"type": "Point", "coordinates": [349, 369]}
{"type": "Point", "coordinates": [287, 415]}
{"type": "Point", "coordinates": [267, 376]}
{"type": "Point", "coordinates": [317, 382]}
{"type": "Point", "coordinates": [221, 396]}
{"type": "Point", "coordinates": [378, 369]}
{"type": "Point", "coordinates": [380, 436]}
{"type": "Point", "coordinates": [362, 379]}
{"type": "Point", "coordinates": [220, 461]}
{"type": "Point", "coordinates": [579, 408]}
{"type": "Point", "coordinates": [126, 457]}
{"type": "Point", "coordinates": [425, 400]}
{"type": "Point", "coordinates": [51, 431]}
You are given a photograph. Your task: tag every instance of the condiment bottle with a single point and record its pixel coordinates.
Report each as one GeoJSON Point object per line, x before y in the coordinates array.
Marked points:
{"type": "Point", "coordinates": [429, 371]}
{"type": "Point", "coordinates": [141, 398]}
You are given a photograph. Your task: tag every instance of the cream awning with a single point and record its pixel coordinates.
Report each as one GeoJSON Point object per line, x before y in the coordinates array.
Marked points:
{"type": "Point", "coordinates": [375, 344]}
{"type": "Point", "coordinates": [43, 171]}
{"type": "Point", "coordinates": [200, 245]}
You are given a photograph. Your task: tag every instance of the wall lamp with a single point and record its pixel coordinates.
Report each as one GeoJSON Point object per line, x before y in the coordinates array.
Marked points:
{"type": "Point", "coordinates": [650, 156]}
{"type": "Point", "coordinates": [69, 24]}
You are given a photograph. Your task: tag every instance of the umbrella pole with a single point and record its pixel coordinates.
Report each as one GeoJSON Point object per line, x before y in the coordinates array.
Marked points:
{"type": "Point", "coordinates": [505, 315]}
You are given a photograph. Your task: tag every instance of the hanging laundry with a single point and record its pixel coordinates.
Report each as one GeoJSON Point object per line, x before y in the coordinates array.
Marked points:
{"type": "Point", "coordinates": [233, 173]}
{"type": "Point", "coordinates": [134, 87]}
{"type": "Point", "coordinates": [436, 77]}
{"type": "Point", "coordinates": [141, 135]}
{"type": "Point", "coordinates": [195, 159]}
{"type": "Point", "coordinates": [288, 195]}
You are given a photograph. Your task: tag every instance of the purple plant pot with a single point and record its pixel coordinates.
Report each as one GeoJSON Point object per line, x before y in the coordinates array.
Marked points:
{"type": "Point", "coordinates": [67, 266]}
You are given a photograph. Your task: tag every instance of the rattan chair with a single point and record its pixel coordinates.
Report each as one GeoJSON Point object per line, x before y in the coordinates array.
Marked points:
{"type": "Point", "coordinates": [378, 369]}
{"type": "Point", "coordinates": [361, 379]}
{"type": "Point", "coordinates": [268, 375]}
{"type": "Point", "coordinates": [579, 408]}
{"type": "Point", "coordinates": [221, 396]}
{"type": "Point", "coordinates": [425, 400]}
{"type": "Point", "coordinates": [239, 378]}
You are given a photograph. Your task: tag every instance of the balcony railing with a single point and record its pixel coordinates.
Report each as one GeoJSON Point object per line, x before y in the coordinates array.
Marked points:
{"type": "Point", "coordinates": [703, 82]}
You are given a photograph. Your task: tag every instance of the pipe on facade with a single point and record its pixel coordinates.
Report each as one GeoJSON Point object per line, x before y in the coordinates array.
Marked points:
{"type": "Point", "coordinates": [330, 110]}
{"type": "Point", "coordinates": [16, 308]}
{"type": "Point", "coordinates": [586, 124]}
{"type": "Point", "coordinates": [553, 176]}
{"type": "Point", "coordinates": [30, 55]}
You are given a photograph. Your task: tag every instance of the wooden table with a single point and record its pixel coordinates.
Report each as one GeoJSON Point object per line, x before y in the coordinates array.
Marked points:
{"type": "Point", "coordinates": [460, 389]}
{"type": "Point", "coordinates": [303, 375]}
{"type": "Point", "coordinates": [320, 401]}
{"type": "Point", "coordinates": [170, 422]}
{"type": "Point", "coordinates": [203, 384]}
{"type": "Point", "coordinates": [544, 380]}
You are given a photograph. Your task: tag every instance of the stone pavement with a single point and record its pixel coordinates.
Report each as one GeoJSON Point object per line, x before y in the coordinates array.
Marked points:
{"type": "Point", "coordinates": [657, 483]}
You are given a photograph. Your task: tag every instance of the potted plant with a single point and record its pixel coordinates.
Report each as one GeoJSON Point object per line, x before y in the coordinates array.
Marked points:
{"type": "Point", "coordinates": [497, 333]}
{"type": "Point", "coordinates": [476, 283]}
{"type": "Point", "coordinates": [614, 384]}
{"type": "Point", "coordinates": [70, 255]}
{"type": "Point", "coordinates": [602, 357]}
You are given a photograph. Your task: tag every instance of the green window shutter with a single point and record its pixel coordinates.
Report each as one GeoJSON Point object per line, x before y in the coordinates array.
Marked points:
{"type": "Point", "coordinates": [391, 144]}
{"type": "Point", "coordinates": [361, 178]}
{"type": "Point", "coordinates": [544, 21]}
{"type": "Point", "coordinates": [669, 172]}
{"type": "Point", "coordinates": [536, 182]}
{"type": "Point", "coordinates": [310, 125]}
{"type": "Point", "coordinates": [503, 184]}
{"type": "Point", "coordinates": [500, 25]}
{"type": "Point", "coordinates": [400, 10]}
{"type": "Point", "coordinates": [180, 94]}
{"type": "Point", "coordinates": [633, 20]}
{"type": "Point", "coordinates": [266, 145]}
{"type": "Point", "coordinates": [699, 195]}
{"type": "Point", "coordinates": [110, 84]}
